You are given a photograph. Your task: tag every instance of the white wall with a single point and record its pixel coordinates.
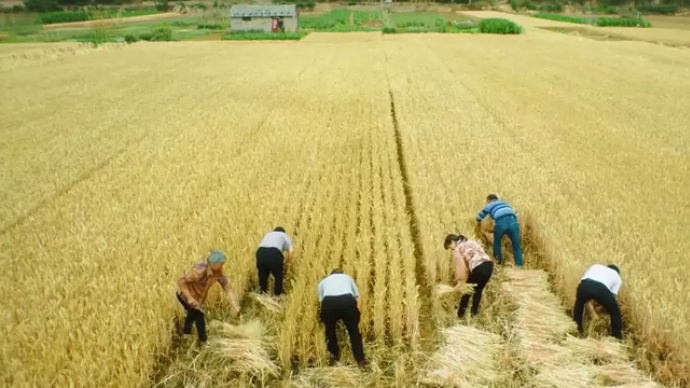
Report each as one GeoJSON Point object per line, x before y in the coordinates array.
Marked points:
{"type": "Point", "coordinates": [264, 24]}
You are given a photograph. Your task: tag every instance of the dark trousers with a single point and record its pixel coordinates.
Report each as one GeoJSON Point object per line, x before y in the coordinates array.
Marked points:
{"type": "Point", "coordinates": [591, 289]}
{"type": "Point", "coordinates": [479, 277]}
{"type": "Point", "coordinates": [193, 316]}
{"type": "Point", "coordinates": [507, 225]}
{"type": "Point", "coordinates": [334, 308]}
{"type": "Point", "coordinates": [270, 261]}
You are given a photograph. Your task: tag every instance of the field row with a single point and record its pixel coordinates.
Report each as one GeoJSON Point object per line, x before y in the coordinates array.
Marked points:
{"type": "Point", "coordinates": [145, 198]}
{"type": "Point", "coordinates": [587, 160]}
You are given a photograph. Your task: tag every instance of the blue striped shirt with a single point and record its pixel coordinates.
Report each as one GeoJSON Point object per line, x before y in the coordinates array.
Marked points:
{"type": "Point", "coordinates": [496, 209]}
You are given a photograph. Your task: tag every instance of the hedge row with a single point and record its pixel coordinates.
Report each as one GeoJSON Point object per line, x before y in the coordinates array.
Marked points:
{"type": "Point", "coordinates": [499, 26]}
{"type": "Point", "coordinates": [81, 16]}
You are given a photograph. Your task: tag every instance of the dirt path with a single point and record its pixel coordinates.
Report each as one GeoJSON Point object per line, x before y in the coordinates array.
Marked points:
{"type": "Point", "coordinates": [91, 23]}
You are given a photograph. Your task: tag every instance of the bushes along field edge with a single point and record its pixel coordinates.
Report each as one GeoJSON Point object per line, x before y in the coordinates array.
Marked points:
{"type": "Point", "coordinates": [499, 26]}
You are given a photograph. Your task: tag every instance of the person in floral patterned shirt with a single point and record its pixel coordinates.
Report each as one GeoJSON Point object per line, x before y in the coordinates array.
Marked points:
{"type": "Point", "coordinates": [473, 266]}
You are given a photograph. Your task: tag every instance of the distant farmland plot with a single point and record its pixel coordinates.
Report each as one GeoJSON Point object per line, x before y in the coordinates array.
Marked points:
{"type": "Point", "coordinates": [673, 22]}
{"type": "Point", "coordinates": [121, 167]}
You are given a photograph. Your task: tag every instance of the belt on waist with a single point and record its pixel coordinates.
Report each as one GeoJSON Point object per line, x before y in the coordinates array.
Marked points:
{"type": "Point", "coordinates": [506, 216]}
{"type": "Point", "coordinates": [340, 296]}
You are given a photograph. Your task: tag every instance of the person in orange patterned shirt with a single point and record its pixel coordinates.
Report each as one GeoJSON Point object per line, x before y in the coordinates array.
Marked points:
{"type": "Point", "coordinates": [472, 265]}
{"type": "Point", "coordinates": [193, 289]}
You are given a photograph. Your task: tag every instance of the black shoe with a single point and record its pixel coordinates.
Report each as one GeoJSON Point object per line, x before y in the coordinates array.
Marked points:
{"type": "Point", "coordinates": [332, 361]}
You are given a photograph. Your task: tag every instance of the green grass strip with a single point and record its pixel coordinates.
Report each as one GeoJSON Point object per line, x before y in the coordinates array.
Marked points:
{"type": "Point", "coordinates": [264, 36]}
{"type": "Point", "coordinates": [596, 20]}
{"type": "Point", "coordinates": [81, 16]}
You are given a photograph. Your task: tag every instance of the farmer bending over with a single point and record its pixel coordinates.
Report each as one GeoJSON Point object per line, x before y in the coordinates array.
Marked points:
{"type": "Point", "coordinates": [506, 223]}
{"type": "Point", "coordinates": [269, 259]}
{"type": "Point", "coordinates": [339, 298]}
{"type": "Point", "coordinates": [602, 284]}
{"type": "Point", "coordinates": [194, 286]}
{"type": "Point", "coordinates": [470, 257]}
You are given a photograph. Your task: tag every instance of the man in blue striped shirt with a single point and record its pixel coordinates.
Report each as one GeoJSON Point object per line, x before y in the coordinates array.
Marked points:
{"type": "Point", "coordinates": [506, 223]}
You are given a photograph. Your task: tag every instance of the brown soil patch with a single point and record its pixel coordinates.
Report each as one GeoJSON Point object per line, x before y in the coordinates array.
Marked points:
{"type": "Point", "coordinates": [586, 33]}
{"type": "Point", "coordinates": [672, 22]}
{"type": "Point", "coordinates": [609, 34]}
{"type": "Point", "coordinates": [207, 37]}
{"type": "Point", "coordinates": [372, 23]}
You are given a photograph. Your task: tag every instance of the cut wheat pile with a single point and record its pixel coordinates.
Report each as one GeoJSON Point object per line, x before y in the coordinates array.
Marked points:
{"type": "Point", "coordinates": [467, 359]}
{"type": "Point", "coordinates": [267, 302]}
{"type": "Point", "coordinates": [540, 317]}
{"type": "Point", "coordinates": [543, 334]}
{"type": "Point", "coordinates": [328, 377]}
{"type": "Point", "coordinates": [244, 348]}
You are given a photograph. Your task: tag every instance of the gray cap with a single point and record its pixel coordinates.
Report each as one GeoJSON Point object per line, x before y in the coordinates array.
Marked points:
{"type": "Point", "coordinates": [216, 258]}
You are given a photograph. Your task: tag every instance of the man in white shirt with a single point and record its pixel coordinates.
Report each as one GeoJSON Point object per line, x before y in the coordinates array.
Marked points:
{"type": "Point", "coordinates": [270, 260]}
{"type": "Point", "coordinates": [339, 298]}
{"type": "Point", "coordinates": [600, 283]}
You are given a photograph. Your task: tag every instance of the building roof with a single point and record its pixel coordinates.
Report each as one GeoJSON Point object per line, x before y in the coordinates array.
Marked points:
{"type": "Point", "coordinates": [247, 10]}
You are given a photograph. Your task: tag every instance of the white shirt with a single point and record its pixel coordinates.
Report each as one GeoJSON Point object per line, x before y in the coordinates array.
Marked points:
{"type": "Point", "coordinates": [606, 276]}
{"type": "Point", "coordinates": [278, 240]}
{"type": "Point", "coordinates": [337, 284]}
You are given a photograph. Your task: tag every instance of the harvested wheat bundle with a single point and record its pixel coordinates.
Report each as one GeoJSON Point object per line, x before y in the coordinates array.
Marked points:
{"type": "Point", "coordinates": [540, 326]}
{"type": "Point", "coordinates": [244, 348]}
{"type": "Point", "coordinates": [339, 376]}
{"type": "Point", "coordinates": [597, 350]}
{"type": "Point", "coordinates": [245, 356]}
{"type": "Point", "coordinates": [267, 302]}
{"type": "Point", "coordinates": [542, 319]}
{"type": "Point", "coordinates": [539, 314]}
{"type": "Point", "coordinates": [537, 353]}
{"type": "Point", "coordinates": [444, 289]}
{"type": "Point", "coordinates": [571, 376]}
{"type": "Point", "coordinates": [468, 359]}
{"type": "Point", "coordinates": [252, 330]}
{"type": "Point", "coordinates": [541, 332]}
{"type": "Point", "coordinates": [621, 374]}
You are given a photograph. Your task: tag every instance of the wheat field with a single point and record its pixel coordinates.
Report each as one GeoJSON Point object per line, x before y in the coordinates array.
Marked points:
{"type": "Point", "coordinates": [121, 167]}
